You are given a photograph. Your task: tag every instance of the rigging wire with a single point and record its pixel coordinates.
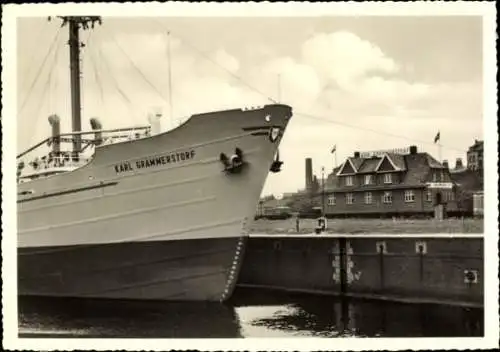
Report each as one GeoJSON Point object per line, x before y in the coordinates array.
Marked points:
{"type": "Point", "coordinates": [113, 80]}
{"type": "Point", "coordinates": [33, 55]}
{"type": "Point", "coordinates": [45, 92]}
{"type": "Point", "coordinates": [300, 113]}
{"type": "Point", "coordinates": [325, 119]}
{"type": "Point", "coordinates": [209, 58]}
{"type": "Point", "coordinates": [97, 77]}
{"type": "Point", "coordinates": [137, 69]}
{"type": "Point", "coordinates": [51, 79]}
{"type": "Point", "coordinates": [37, 76]}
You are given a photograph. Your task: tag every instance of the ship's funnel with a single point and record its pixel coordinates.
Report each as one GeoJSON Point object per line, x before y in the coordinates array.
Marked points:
{"type": "Point", "coordinates": [56, 131]}
{"type": "Point", "coordinates": [155, 122]}
{"type": "Point", "coordinates": [96, 126]}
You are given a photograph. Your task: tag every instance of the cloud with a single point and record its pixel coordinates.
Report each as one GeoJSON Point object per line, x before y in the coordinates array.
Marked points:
{"type": "Point", "coordinates": [344, 57]}
{"type": "Point", "coordinates": [337, 76]}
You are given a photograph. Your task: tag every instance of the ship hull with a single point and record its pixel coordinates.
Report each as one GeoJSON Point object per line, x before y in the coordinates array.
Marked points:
{"type": "Point", "coordinates": [192, 270]}
{"type": "Point", "coordinates": [169, 191]}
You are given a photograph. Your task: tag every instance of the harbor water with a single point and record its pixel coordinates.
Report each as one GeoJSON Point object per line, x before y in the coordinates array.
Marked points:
{"type": "Point", "coordinates": [249, 313]}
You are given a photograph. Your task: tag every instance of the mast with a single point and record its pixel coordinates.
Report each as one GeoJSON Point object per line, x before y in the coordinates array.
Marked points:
{"type": "Point", "coordinates": [74, 24]}
{"type": "Point", "coordinates": [171, 103]}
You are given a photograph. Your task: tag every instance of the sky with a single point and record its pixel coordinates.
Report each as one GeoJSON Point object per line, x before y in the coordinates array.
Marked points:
{"type": "Point", "coordinates": [360, 83]}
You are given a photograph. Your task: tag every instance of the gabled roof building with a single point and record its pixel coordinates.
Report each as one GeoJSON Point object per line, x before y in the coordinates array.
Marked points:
{"type": "Point", "coordinates": [389, 183]}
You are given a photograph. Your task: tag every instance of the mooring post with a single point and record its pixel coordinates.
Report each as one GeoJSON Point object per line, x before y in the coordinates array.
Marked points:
{"type": "Point", "coordinates": [421, 263]}
{"type": "Point", "coordinates": [381, 249]}
{"type": "Point", "coordinates": [343, 264]}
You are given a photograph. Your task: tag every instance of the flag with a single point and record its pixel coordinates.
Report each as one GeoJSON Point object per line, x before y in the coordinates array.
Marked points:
{"type": "Point", "coordinates": [438, 137]}
{"type": "Point", "coordinates": [334, 149]}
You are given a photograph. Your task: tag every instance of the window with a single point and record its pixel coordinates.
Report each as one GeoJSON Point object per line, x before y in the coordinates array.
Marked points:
{"type": "Point", "coordinates": [368, 197]}
{"type": "Point", "coordinates": [387, 197]}
{"type": "Point", "coordinates": [349, 198]}
{"type": "Point", "coordinates": [409, 196]}
{"type": "Point", "coordinates": [450, 196]}
{"type": "Point", "coordinates": [387, 178]}
{"type": "Point", "coordinates": [368, 179]}
{"type": "Point", "coordinates": [349, 180]}
{"type": "Point", "coordinates": [428, 196]}
{"type": "Point", "coordinates": [331, 199]}
{"type": "Point", "coordinates": [434, 177]}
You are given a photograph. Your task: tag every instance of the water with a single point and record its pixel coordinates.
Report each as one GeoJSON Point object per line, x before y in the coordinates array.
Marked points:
{"type": "Point", "coordinates": [250, 313]}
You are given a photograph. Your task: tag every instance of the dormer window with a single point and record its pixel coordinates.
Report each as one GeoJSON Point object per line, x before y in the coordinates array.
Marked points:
{"type": "Point", "coordinates": [387, 178]}
{"type": "Point", "coordinates": [349, 180]}
{"type": "Point", "coordinates": [368, 179]}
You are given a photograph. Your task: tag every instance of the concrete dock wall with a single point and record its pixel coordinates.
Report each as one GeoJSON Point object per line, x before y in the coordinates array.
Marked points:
{"type": "Point", "coordinates": [411, 268]}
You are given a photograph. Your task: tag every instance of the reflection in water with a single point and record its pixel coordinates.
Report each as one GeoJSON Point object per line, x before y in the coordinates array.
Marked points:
{"type": "Point", "coordinates": [52, 317]}
{"type": "Point", "coordinates": [250, 313]}
{"type": "Point", "coordinates": [326, 316]}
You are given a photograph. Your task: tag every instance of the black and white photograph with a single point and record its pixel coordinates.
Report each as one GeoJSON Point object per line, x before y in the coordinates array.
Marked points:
{"type": "Point", "coordinates": [249, 176]}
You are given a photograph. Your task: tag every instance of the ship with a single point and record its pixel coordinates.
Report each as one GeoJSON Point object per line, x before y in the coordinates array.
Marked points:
{"type": "Point", "coordinates": [137, 213]}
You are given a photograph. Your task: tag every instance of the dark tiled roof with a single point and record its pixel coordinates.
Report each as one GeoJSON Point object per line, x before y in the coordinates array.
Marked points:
{"type": "Point", "coordinates": [477, 146]}
{"type": "Point", "coordinates": [398, 160]}
{"type": "Point", "coordinates": [357, 162]}
{"type": "Point", "coordinates": [458, 170]}
{"type": "Point", "coordinates": [331, 179]}
{"type": "Point", "coordinates": [369, 165]}
{"type": "Point", "coordinates": [418, 168]}
{"type": "Point", "coordinates": [433, 162]}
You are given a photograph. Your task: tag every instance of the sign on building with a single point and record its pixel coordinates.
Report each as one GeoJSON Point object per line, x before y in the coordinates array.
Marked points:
{"type": "Point", "coordinates": [439, 185]}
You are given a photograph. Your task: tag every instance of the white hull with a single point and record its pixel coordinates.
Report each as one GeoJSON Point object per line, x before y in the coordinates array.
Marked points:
{"type": "Point", "coordinates": [191, 198]}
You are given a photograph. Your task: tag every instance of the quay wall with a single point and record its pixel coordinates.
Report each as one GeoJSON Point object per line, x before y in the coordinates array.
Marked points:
{"type": "Point", "coordinates": [410, 268]}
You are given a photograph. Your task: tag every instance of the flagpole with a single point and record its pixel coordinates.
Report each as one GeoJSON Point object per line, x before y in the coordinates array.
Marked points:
{"type": "Point", "coordinates": [279, 88]}
{"type": "Point", "coordinates": [440, 156]}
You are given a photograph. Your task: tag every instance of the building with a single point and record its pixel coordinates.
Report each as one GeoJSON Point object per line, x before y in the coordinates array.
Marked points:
{"type": "Point", "coordinates": [389, 183]}
{"type": "Point", "coordinates": [475, 156]}
{"type": "Point", "coordinates": [269, 206]}
{"type": "Point", "coordinates": [469, 181]}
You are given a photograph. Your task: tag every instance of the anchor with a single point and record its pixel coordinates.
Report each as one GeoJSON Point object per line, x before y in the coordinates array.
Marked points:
{"type": "Point", "coordinates": [276, 165]}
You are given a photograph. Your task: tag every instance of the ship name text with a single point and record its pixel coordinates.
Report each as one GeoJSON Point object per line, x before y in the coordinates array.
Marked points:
{"type": "Point", "coordinates": [155, 161]}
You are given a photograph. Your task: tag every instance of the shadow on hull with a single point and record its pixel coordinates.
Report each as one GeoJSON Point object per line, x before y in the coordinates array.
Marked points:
{"type": "Point", "coordinates": [194, 270]}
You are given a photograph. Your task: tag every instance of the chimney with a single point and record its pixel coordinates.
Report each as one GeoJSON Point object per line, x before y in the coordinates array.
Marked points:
{"type": "Point", "coordinates": [459, 164]}
{"type": "Point", "coordinates": [96, 126]}
{"type": "Point", "coordinates": [56, 131]}
{"type": "Point", "coordinates": [356, 154]}
{"type": "Point", "coordinates": [413, 149]}
{"type": "Point", "coordinates": [445, 164]}
{"type": "Point", "coordinates": [309, 174]}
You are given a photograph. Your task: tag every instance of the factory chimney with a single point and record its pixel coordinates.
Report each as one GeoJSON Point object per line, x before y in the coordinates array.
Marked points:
{"type": "Point", "coordinates": [309, 175]}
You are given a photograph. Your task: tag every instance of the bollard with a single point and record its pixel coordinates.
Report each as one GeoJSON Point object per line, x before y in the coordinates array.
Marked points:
{"type": "Point", "coordinates": [343, 264]}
